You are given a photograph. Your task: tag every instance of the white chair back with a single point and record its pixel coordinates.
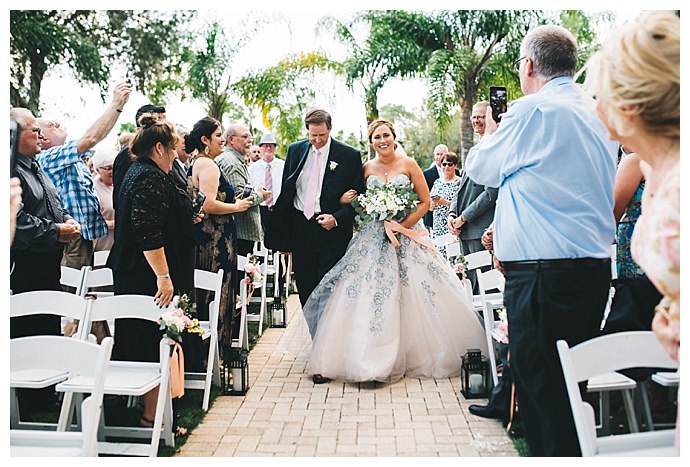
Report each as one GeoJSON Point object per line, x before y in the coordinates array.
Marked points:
{"type": "Point", "coordinates": [212, 281]}
{"type": "Point", "coordinates": [478, 259]}
{"type": "Point", "coordinates": [52, 302]}
{"type": "Point", "coordinates": [100, 258]}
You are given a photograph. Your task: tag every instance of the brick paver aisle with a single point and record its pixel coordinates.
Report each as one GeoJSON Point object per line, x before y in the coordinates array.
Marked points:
{"type": "Point", "coordinates": [285, 414]}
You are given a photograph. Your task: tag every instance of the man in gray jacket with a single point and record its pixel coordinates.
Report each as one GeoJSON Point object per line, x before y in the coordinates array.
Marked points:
{"type": "Point", "coordinates": [472, 210]}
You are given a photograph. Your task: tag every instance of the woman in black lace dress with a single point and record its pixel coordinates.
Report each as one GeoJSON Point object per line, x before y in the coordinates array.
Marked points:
{"type": "Point", "coordinates": [153, 249]}
{"type": "Point", "coordinates": [216, 235]}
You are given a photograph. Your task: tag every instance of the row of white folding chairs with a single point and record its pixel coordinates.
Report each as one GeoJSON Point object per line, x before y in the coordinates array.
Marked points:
{"type": "Point", "coordinates": [87, 279]}
{"type": "Point", "coordinates": [123, 378]}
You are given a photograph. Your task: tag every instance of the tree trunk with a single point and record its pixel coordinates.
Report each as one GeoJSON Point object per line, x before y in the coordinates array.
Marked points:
{"type": "Point", "coordinates": [372, 111]}
{"type": "Point", "coordinates": [466, 105]}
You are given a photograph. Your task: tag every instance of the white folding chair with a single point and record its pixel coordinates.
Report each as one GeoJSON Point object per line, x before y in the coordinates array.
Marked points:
{"type": "Point", "coordinates": [69, 307]}
{"type": "Point", "coordinates": [475, 261]}
{"type": "Point", "coordinates": [263, 300]}
{"type": "Point", "coordinates": [79, 359]}
{"type": "Point", "coordinates": [243, 339]}
{"type": "Point", "coordinates": [129, 378]}
{"type": "Point", "coordinates": [602, 355]}
{"type": "Point", "coordinates": [491, 279]}
{"type": "Point", "coordinates": [212, 281]}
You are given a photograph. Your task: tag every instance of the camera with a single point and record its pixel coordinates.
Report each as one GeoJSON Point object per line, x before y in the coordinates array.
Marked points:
{"type": "Point", "coordinates": [498, 99]}
{"type": "Point", "coordinates": [198, 203]}
{"type": "Point", "coordinates": [247, 191]}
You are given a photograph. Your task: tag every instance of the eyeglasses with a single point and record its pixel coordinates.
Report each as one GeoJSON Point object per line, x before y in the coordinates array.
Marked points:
{"type": "Point", "coordinates": [107, 168]}
{"type": "Point", "coordinates": [478, 117]}
{"type": "Point", "coordinates": [516, 63]}
{"type": "Point", "coordinates": [447, 164]}
{"type": "Point", "coordinates": [37, 130]}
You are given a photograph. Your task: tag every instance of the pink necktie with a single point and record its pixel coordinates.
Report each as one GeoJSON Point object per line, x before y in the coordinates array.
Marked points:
{"type": "Point", "coordinates": [310, 199]}
{"type": "Point", "coordinates": [269, 185]}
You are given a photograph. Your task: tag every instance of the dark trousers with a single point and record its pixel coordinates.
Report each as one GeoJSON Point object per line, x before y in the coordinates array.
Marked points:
{"type": "Point", "coordinates": [546, 304]}
{"type": "Point", "coordinates": [265, 224]}
{"type": "Point", "coordinates": [315, 252]}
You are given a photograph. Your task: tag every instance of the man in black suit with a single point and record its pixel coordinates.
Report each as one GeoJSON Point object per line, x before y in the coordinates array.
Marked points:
{"type": "Point", "coordinates": [430, 175]}
{"type": "Point", "coordinates": [308, 218]}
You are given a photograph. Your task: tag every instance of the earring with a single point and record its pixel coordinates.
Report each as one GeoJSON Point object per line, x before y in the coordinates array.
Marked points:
{"type": "Point", "coordinates": [206, 150]}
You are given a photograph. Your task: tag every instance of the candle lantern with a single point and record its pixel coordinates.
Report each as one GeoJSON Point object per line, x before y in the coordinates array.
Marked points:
{"type": "Point", "coordinates": [475, 375]}
{"type": "Point", "coordinates": [235, 373]}
{"type": "Point", "coordinates": [278, 312]}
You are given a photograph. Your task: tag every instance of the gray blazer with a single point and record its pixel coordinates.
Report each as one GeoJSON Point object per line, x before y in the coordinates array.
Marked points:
{"type": "Point", "coordinates": [477, 204]}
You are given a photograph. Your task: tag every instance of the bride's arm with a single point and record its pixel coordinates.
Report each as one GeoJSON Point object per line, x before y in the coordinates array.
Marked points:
{"type": "Point", "coordinates": [422, 190]}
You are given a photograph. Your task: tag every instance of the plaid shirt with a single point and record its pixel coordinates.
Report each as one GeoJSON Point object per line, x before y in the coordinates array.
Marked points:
{"type": "Point", "coordinates": [74, 183]}
{"type": "Point", "coordinates": [248, 223]}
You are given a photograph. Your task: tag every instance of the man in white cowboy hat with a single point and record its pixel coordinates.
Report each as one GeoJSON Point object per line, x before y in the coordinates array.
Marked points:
{"type": "Point", "coordinates": [268, 173]}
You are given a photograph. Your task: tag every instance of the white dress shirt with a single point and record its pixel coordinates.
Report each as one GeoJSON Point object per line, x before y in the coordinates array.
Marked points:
{"type": "Point", "coordinates": [257, 175]}
{"type": "Point", "coordinates": [303, 179]}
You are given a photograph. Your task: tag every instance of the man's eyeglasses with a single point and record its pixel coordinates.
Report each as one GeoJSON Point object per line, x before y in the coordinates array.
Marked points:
{"type": "Point", "coordinates": [107, 168]}
{"type": "Point", "coordinates": [447, 164]}
{"type": "Point", "coordinates": [478, 117]}
{"type": "Point", "coordinates": [37, 130]}
{"type": "Point", "coordinates": [516, 63]}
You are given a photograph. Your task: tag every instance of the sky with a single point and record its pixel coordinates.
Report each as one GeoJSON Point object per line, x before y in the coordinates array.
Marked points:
{"type": "Point", "coordinates": [76, 106]}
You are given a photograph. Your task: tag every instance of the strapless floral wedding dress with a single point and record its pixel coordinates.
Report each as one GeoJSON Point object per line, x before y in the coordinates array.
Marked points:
{"type": "Point", "coordinates": [382, 312]}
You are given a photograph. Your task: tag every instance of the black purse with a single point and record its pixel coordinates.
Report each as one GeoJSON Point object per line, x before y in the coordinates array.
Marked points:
{"type": "Point", "coordinates": [632, 308]}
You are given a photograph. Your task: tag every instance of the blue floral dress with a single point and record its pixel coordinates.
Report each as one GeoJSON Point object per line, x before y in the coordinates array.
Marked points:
{"type": "Point", "coordinates": [625, 264]}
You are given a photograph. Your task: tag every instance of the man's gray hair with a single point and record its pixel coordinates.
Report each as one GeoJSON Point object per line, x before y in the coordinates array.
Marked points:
{"type": "Point", "coordinates": [233, 129]}
{"type": "Point", "coordinates": [553, 51]}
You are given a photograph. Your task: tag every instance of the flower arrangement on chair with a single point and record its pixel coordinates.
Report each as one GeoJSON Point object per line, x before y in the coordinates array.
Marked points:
{"type": "Point", "coordinates": [502, 326]}
{"type": "Point", "coordinates": [253, 270]}
{"type": "Point", "coordinates": [181, 318]}
{"type": "Point", "coordinates": [460, 266]}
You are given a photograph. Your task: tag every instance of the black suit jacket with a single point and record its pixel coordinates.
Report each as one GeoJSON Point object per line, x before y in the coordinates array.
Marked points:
{"type": "Point", "coordinates": [343, 172]}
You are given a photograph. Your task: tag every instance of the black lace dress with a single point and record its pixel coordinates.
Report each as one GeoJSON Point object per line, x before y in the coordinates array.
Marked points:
{"type": "Point", "coordinates": [151, 213]}
{"type": "Point", "coordinates": [216, 238]}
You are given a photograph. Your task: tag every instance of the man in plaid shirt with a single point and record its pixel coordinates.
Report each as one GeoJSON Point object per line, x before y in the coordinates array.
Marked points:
{"type": "Point", "coordinates": [63, 162]}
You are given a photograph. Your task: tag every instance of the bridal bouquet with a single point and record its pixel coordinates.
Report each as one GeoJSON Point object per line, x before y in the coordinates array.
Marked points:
{"type": "Point", "coordinates": [179, 319]}
{"type": "Point", "coordinates": [383, 203]}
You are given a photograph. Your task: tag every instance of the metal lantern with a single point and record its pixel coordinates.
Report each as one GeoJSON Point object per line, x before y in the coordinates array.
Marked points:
{"type": "Point", "coordinates": [236, 373]}
{"type": "Point", "coordinates": [278, 312]}
{"type": "Point", "coordinates": [475, 374]}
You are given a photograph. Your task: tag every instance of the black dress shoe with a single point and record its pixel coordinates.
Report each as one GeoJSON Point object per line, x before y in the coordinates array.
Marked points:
{"type": "Point", "coordinates": [319, 379]}
{"type": "Point", "coordinates": [486, 411]}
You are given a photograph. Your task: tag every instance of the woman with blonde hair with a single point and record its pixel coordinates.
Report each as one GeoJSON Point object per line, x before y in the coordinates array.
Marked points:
{"type": "Point", "coordinates": [636, 80]}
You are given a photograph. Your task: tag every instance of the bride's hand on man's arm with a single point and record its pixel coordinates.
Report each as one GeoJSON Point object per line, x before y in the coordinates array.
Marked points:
{"type": "Point", "coordinates": [348, 197]}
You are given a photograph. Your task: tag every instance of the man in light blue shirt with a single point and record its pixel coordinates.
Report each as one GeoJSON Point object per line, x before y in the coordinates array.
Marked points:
{"type": "Point", "coordinates": [554, 167]}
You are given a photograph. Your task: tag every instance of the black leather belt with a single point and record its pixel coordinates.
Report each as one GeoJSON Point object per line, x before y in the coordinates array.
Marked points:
{"type": "Point", "coordinates": [554, 263]}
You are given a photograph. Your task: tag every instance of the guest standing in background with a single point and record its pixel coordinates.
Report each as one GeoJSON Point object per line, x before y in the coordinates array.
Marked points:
{"type": "Point", "coordinates": [216, 235]}
{"type": "Point", "coordinates": [442, 192]}
{"type": "Point", "coordinates": [153, 251]}
{"type": "Point", "coordinates": [103, 185]}
{"type": "Point", "coordinates": [627, 196]}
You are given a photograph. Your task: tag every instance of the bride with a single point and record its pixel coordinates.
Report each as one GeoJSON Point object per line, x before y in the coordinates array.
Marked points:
{"type": "Point", "coordinates": [384, 312]}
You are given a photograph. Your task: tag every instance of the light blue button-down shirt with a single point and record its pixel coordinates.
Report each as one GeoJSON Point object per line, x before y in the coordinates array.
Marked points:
{"type": "Point", "coordinates": [554, 167]}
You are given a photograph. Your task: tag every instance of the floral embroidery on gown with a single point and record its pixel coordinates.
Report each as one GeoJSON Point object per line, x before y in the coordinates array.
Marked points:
{"type": "Point", "coordinates": [382, 313]}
